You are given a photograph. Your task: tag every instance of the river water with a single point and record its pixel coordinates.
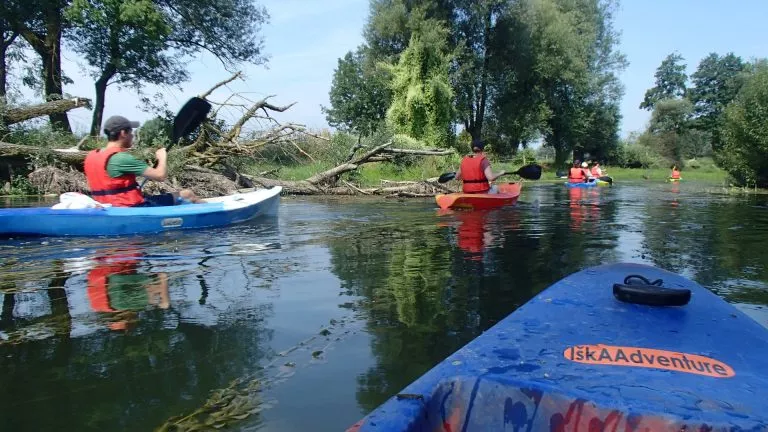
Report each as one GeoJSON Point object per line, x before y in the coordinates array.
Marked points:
{"type": "Point", "coordinates": [310, 320]}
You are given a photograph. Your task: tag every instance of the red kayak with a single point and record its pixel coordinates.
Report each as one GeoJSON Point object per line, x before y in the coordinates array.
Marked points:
{"type": "Point", "coordinates": [508, 194]}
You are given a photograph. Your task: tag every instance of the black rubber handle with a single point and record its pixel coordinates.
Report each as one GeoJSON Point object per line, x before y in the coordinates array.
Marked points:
{"type": "Point", "coordinates": [652, 295]}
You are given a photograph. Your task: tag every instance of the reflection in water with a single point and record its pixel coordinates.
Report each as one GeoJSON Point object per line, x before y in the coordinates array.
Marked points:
{"type": "Point", "coordinates": [225, 317]}
{"type": "Point", "coordinates": [116, 287]}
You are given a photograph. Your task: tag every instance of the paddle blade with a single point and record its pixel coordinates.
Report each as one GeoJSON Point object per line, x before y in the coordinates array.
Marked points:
{"type": "Point", "coordinates": [530, 172]}
{"type": "Point", "coordinates": [446, 177]}
{"type": "Point", "coordinates": [190, 116]}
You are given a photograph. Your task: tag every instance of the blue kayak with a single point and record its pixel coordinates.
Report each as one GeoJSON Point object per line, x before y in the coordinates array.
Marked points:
{"type": "Point", "coordinates": [598, 351]}
{"type": "Point", "coordinates": [594, 183]}
{"type": "Point", "coordinates": [110, 221]}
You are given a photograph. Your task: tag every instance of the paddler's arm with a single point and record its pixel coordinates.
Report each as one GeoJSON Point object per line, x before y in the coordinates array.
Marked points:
{"type": "Point", "coordinates": [160, 172]}
{"type": "Point", "coordinates": [458, 174]}
{"type": "Point", "coordinates": [490, 175]}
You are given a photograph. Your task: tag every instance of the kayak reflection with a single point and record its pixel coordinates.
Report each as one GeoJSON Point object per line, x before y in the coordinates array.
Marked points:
{"type": "Point", "coordinates": [475, 231]}
{"type": "Point", "coordinates": [116, 287]}
{"type": "Point", "coordinates": [583, 204]}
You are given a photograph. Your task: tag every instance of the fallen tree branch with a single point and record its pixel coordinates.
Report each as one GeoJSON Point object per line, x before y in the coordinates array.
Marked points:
{"type": "Point", "coordinates": [71, 157]}
{"type": "Point", "coordinates": [346, 167]}
{"type": "Point", "coordinates": [20, 114]}
{"type": "Point", "coordinates": [433, 152]}
{"type": "Point", "coordinates": [220, 84]}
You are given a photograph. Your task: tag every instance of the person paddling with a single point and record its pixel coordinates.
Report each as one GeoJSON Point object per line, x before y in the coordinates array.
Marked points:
{"type": "Point", "coordinates": [597, 171]}
{"type": "Point", "coordinates": [475, 171]}
{"type": "Point", "coordinates": [111, 172]}
{"type": "Point", "coordinates": [675, 173]}
{"type": "Point", "coordinates": [579, 173]}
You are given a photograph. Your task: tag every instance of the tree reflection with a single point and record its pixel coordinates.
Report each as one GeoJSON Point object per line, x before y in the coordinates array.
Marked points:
{"type": "Point", "coordinates": [429, 288]}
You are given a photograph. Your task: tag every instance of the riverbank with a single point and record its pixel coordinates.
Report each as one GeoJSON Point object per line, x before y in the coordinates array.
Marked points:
{"type": "Point", "coordinates": [378, 174]}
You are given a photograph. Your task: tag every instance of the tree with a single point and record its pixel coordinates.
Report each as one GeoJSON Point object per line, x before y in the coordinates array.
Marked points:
{"type": "Point", "coordinates": [359, 95]}
{"type": "Point", "coordinates": [124, 42]}
{"type": "Point", "coordinates": [41, 23]}
{"type": "Point", "coordinates": [8, 36]}
{"type": "Point", "coordinates": [744, 153]}
{"type": "Point", "coordinates": [421, 94]}
{"type": "Point", "coordinates": [670, 82]}
{"type": "Point", "coordinates": [669, 124]}
{"type": "Point", "coordinates": [716, 82]}
{"type": "Point", "coordinates": [563, 35]}
{"type": "Point", "coordinates": [132, 42]}
{"type": "Point", "coordinates": [475, 27]}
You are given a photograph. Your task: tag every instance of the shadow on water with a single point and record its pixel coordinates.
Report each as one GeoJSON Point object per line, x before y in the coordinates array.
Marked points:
{"type": "Point", "coordinates": [329, 309]}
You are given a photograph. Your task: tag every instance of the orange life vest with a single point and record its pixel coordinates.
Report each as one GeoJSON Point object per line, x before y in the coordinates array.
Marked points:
{"type": "Point", "coordinates": [473, 175]}
{"type": "Point", "coordinates": [675, 174]}
{"type": "Point", "coordinates": [576, 175]}
{"type": "Point", "coordinates": [120, 191]}
{"type": "Point", "coordinates": [596, 171]}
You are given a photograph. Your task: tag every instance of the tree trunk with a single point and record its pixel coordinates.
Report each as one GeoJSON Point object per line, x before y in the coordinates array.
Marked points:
{"type": "Point", "coordinates": [4, 45]}
{"type": "Point", "coordinates": [480, 113]}
{"type": "Point", "coordinates": [48, 47]}
{"type": "Point", "coordinates": [98, 108]}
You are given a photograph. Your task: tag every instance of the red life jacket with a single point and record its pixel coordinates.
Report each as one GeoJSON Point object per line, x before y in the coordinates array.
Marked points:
{"type": "Point", "coordinates": [675, 174]}
{"type": "Point", "coordinates": [120, 191]}
{"type": "Point", "coordinates": [576, 175]}
{"type": "Point", "coordinates": [473, 175]}
{"type": "Point", "coordinates": [597, 172]}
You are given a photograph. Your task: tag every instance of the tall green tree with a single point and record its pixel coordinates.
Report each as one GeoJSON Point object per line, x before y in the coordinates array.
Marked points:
{"type": "Point", "coordinates": [133, 42]}
{"type": "Point", "coordinates": [421, 93]}
{"type": "Point", "coordinates": [716, 83]}
{"type": "Point", "coordinates": [744, 153]}
{"type": "Point", "coordinates": [563, 37]}
{"type": "Point", "coordinates": [670, 82]}
{"type": "Point", "coordinates": [359, 95]}
{"type": "Point", "coordinates": [124, 41]}
{"type": "Point", "coordinates": [669, 124]}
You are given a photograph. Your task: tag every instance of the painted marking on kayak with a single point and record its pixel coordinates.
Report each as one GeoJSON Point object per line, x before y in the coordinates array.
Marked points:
{"type": "Point", "coordinates": [648, 358]}
{"type": "Point", "coordinates": [172, 222]}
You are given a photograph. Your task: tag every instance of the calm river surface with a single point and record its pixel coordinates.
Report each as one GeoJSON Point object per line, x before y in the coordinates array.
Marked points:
{"type": "Point", "coordinates": [310, 320]}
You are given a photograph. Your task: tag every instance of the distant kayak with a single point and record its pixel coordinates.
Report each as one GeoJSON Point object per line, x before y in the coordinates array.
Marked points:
{"type": "Point", "coordinates": [599, 350]}
{"type": "Point", "coordinates": [508, 195]}
{"type": "Point", "coordinates": [673, 179]}
{"type": "Point", "coordinates": [215, 212]}
{"type": "Point", "coordinates": [594, 183]}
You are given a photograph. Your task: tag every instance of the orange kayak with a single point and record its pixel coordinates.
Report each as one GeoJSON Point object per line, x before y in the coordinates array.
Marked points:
{"type": "Point", "coordinates": [508, 194]}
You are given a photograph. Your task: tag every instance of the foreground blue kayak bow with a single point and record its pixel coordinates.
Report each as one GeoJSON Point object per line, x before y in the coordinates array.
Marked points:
{"type": "Point", "coordinates": [622, 347]}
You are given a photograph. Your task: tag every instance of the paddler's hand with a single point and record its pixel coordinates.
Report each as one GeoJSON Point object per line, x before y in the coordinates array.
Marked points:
{"type": "Point", "coordinates": [161, 155]}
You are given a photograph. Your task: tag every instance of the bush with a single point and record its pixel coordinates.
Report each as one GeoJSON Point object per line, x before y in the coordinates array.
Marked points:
{"type": "Point", "coordinates": [636, 155]}
{"type": "Point", "coordinates": [745, 132]}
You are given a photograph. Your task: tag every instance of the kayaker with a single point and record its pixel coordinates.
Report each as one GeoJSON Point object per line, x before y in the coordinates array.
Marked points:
{"type": "Point", "coordinates": [596, 170]}
{"type": "Point", "coordinates": [111, 172]}
{"type": "Point", "coordinates": [675, 173]}
{"type": "Point", "coordinates": [475, 172]}
{"type": "Point", "coordinates": [579, 173]}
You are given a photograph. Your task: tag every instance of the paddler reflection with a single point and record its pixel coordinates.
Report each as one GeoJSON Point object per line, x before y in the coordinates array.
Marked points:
{"type": "Point", "coordinates": [474, 232]}
{"type": "Point", "coordinates": [117, 287]}
{"type": "Point", "coordinates": [583, 204]}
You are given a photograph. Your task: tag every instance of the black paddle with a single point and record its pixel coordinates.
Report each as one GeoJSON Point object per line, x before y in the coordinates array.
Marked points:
{"type": "Point", "coordinates": [189, 117]}
{"type": "Point", "coordinates": [528, 172]}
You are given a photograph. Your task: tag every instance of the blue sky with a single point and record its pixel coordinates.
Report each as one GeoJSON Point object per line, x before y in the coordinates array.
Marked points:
{"type": "Point", "coordinates": [304, 39]}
